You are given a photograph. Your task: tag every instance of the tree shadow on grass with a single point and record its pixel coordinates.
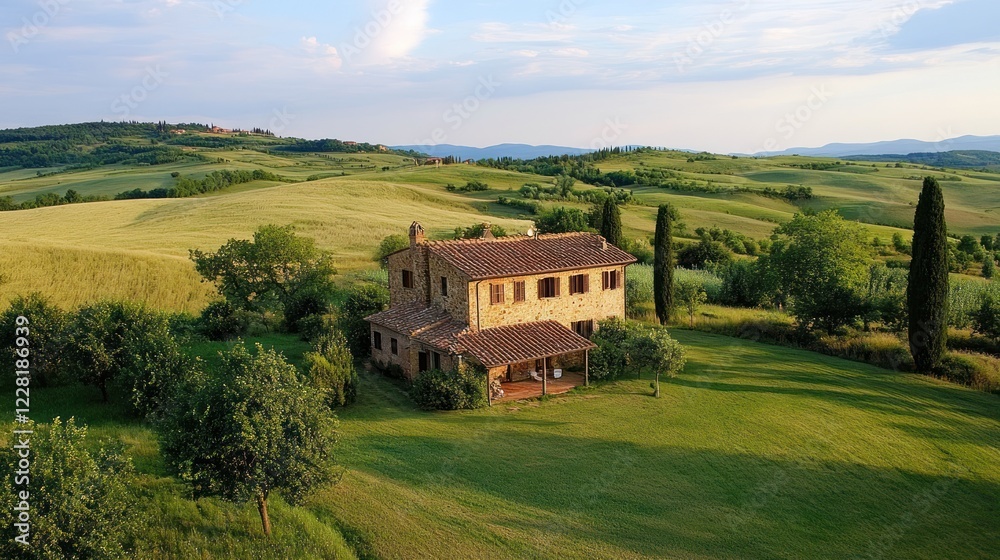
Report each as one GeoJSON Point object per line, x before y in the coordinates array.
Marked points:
{"type": "Point", "coordinates": [669, 501]}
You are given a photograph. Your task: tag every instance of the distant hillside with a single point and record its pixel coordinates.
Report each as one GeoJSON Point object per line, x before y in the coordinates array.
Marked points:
{"type": "Point", "coordinates": [516, 151]}
{"type": "Point", "coordinates": [963, 143]}
{"type": "Point", "coordinates": [104, 143]}
{"type": "Point", "coordinates": [962, 159]}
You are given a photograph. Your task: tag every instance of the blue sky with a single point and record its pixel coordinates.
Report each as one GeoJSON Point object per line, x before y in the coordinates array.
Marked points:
{"type": "Point", "coordinates": [730, 76]}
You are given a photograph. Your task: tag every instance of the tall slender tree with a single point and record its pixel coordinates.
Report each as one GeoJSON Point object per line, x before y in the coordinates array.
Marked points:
{"type": "Point", "coordinates": [611, 223]}
{"type": "Point", "coordinates": [663, 265]}
{"type": "Point", "coordinates": [927, 292]}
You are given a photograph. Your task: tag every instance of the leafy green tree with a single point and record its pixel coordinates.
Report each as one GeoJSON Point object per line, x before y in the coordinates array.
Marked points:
{"type": "Point", "coordinates": [885, 298]}
{"type": "Point", "coordinates": [264, 273]}
{"type": "Point", "coordinates": [331, 370]}
{"type": "Point", "coordinates": [561, 220]}
{"type": "Point", "coordinates": [611, 223]}
{"type": "Point", "coordinates": [968, 244]}
{"type": "Point", "coordinates": [690, 295]}
{"type": "Point", "coordinates": [253, 428]}
{"type": "Point", "coordinates": [663, 265]}
{"type": "Point", "coordinates": [127, 345]}
{"type": "Point", "coordinates": [81, 501]}
{"type": "Point", "coordinates": [927, 292]}
{"type": "Point", "coordinates": [361, 301]}
{"type": "Point", "coordinates": [900, 244]}
{"type": "Point", "coordinates": [46, 335]}
{"type": "Point", "coordinates": [986, 319]}
{"type": "Point", "coordinates": [652, 349]}
{"type": "Point", "coordinates": [822, 262]}
{"type": "Point", "coordinates": [389, 245]}
{"type": "Point", "coordinates": [745, 283]}
{"type": "Point", "coordinates": [987, 242]}
{"type": "Point", "coordinates": [477, 231]}
{"type": "Point", "coordinates": [707, 251]}
{"type": "Point", "coordinates": [564, 185]}
{"type": "Point", "coordinates": [989, 266]}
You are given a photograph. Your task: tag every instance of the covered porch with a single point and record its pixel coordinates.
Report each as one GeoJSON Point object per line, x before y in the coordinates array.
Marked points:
{"type": "Point", "coordinates": [530, 359]}
{"type": "Point", "coordinates": [531, 389]}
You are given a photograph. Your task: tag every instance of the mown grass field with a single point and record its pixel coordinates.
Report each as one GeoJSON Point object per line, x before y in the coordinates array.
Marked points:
{"type": "Point", "coordinates": [754, 451]}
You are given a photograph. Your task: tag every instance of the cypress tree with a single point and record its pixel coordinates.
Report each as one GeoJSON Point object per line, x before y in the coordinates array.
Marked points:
{"type": "Point", "coordinates": [663, 265]}
{"type": "Point", "coordinates": [611, 223]}
{"type": "Point", "coordinates": [927, 292]}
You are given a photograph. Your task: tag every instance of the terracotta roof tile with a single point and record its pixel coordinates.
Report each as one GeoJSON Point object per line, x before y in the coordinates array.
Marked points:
{"type": "Point", "coordinates": [521, 343]}
{"type": "Point", "coordinates": [521, 255]}
{"type": "Point", "coordinates": [409, 318]}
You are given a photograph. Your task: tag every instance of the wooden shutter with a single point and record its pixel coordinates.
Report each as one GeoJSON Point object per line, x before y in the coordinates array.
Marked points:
{"type": "Point", "coordinates": [558, 282]}
{"type": "Point", "coordinates": [541, 288]}
{"type": "Point", "coordinates": [586, 283]}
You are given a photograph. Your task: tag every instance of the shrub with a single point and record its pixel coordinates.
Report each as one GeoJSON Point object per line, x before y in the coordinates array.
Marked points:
{"type": "Point", "coordinates": [46, 335]}
{"type": "Point", "coordinates": [221, 320]}
{"type": "Point", "coordinates": [881, 349]}
{"type": "Point", "coordinates": [460, 389]}
{"type": "Point", "coordinates": [609, 360]}
{"type": "Point", "coordinates": [311, 299]}
{"type": "Point", "coordinates": [331, 370]}
{"type": "Point", "coordinates": [82, 504]}
{"type": "Point", "coordinates": [313, 327]}
{"type": "Point", "coordinates": [361, 301]}
{"type": "Point", "coordinates": [623, 346]}
{"type": "Point", "coordinates": [977, 371]}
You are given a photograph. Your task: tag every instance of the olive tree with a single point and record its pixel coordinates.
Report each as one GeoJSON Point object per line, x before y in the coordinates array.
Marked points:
{"type": "Point", "coordinates": [253, 428]}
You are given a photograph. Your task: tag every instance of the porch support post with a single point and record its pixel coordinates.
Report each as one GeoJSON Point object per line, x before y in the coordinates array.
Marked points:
{"type": "Point", "coordinates": [545, 376]}
{"type": "Point", "coordinates": [489, 388]}
{"type": "Point", "coordinates": [586, 368]}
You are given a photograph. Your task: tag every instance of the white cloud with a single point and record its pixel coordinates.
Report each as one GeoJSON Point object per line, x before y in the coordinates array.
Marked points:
{"type": "Point", "coordinates": [394, 29]}
{"type": "Point", "coordinates": [321, 52]}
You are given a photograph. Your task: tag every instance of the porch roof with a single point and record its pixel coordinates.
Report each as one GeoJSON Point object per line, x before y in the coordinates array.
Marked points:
{"type": "Point", "coordinates": [511, 344]}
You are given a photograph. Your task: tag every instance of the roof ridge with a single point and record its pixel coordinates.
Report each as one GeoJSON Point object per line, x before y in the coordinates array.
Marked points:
{"type": "Point", "coordinates": [509, 238]}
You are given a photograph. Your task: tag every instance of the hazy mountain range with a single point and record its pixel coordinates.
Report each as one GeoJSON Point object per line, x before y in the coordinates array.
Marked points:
{"type": "Point", "coordinates": [892, 147]}
{"type": "Point", "coordinates": [962, 143]}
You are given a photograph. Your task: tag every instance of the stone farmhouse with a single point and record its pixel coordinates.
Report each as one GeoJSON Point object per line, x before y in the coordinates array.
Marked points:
{"type": "Point", "coordinates": [523, 307]}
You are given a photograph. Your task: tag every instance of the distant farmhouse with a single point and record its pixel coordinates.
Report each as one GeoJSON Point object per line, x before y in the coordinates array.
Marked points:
{"type": "Point", "coordinates": [523, 307]}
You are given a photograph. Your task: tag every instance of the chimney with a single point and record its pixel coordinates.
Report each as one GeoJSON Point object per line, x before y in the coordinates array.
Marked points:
{"type": "Point", "coordinates": [487, 232]}
{"type": "Point", "coordinates": [416, 234]}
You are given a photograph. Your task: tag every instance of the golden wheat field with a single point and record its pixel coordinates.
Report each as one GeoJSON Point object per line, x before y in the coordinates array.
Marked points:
{"type": "Point", "coordinates": [137, 249]}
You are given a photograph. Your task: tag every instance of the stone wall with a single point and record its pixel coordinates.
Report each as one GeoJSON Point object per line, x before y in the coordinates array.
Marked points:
{"type": "Point", "coordinates": [385, 356]}
{"type": "Point", "coordinates": [414, 260]}
{"type": "Point", "coordinates": [597, 304]}
{"type": "Point", "coordinates": [456, 303]}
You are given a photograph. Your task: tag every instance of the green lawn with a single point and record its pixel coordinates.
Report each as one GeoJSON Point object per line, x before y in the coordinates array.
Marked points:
{"type": "Point", "coordinates": [754, 451]}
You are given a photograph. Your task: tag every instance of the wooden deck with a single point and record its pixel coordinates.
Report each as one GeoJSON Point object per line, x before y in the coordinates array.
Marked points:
{"type": "Point", "coordinates": [531, 389]}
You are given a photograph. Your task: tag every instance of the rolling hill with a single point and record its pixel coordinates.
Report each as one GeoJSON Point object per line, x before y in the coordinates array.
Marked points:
{"type": "Point", "coordinates": [350, 201]}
